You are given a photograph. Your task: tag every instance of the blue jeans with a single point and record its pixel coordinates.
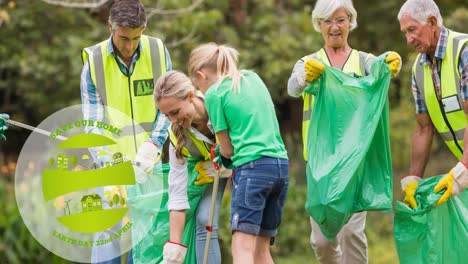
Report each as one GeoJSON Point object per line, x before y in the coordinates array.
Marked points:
{"type": "Point", "coordinates": [258, 196]}
{"type": "Point", "coordinates": [202, 217]}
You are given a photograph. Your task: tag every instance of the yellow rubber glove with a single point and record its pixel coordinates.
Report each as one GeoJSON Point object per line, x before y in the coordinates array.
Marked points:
{"type": "Point", "coordinates": [204, 173]}
{"type": "Point", "coordinates": [393, 60]}
{"type": "Point", "coordinates": [453, 183]}
{"type": "Point", "coordinates": [313, 69]}
{"type": "Point", "coordinates": [445, 183]}
{"type": "Point", "coordinates": [409, 184]}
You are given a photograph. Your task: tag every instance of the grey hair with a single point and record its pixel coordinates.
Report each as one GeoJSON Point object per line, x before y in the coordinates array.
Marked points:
{"type": "Point", "coordinates": [324, 9]}
{"type": "Point", "coordinates": [420, 10]}
{"type": "Point", "coordinates": [127, 14]}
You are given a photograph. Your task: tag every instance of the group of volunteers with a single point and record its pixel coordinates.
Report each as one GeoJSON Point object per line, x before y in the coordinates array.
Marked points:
{"type": "Point", "coordinates": [202, 113]}
{"type": "Point", "coordinates": [221, 109]}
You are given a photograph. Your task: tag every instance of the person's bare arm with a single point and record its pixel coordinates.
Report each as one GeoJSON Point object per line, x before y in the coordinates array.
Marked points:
{"type": "Point", "coordinates": [421, 146]}
{"type": "Point", "coordinates": [176, 225]}
{"type": "Point", "coordinates": [226, 148]}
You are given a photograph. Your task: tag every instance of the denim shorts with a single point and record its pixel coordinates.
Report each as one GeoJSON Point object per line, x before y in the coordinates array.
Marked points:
{"type": "Point", "coordinates": [258, 196]}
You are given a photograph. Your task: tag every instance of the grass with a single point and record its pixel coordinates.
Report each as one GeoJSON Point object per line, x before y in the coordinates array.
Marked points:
{"type": "Point", "coordinates": [306, 258]}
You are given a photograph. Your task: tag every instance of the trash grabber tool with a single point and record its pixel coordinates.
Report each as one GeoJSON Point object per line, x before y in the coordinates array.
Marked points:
{"type": "Point", "coordinates": [33, 129]}
{"type": "Point", "coordinates": [209, 226]}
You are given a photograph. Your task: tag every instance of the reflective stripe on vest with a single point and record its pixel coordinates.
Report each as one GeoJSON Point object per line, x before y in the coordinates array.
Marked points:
{"type": "Point", "coordinates": [356, 63]}
{"type": "Point", "coordinates": [194, 147]}
{"type": "Point", "coordinates": [446, 114]}
{"type": "Point", "coordinates": [132, 95]}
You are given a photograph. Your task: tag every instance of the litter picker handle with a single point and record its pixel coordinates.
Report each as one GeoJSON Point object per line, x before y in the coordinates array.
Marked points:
{"type": "Point", "coordinates": [209, 226]}
{"type": "Point", "coordinates": [33, 129]}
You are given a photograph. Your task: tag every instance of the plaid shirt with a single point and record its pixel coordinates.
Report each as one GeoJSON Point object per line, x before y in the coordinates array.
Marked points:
{"type": "Point", "coordinates": [435, 70]}
{"type": "Point", "coordinates": [93, 108]}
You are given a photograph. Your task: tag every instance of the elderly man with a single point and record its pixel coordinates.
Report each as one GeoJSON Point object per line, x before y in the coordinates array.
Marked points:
{"type": "Point", "coordinates": [440, 89]}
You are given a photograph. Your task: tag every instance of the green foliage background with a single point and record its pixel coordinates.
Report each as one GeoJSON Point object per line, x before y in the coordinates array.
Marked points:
{"type": "Point", "coordinates": [40, 69]}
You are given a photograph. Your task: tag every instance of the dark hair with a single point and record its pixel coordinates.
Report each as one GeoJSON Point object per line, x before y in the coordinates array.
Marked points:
{"type": "Point", "coordinates": [127, 13]}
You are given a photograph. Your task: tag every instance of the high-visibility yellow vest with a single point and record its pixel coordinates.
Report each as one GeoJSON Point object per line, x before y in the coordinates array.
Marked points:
{"type": "Point", "coordinates": [132, 95]}
{"type": "Point", "coordinates": [356, 64]}
{"type": "Point", "coordinates": [194, 147]}
{"type": "Point", "coordinates": [447, 113]}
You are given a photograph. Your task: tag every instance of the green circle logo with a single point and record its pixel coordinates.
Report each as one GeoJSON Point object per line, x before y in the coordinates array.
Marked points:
{"type": "Point", "coordinates": [77, 189]}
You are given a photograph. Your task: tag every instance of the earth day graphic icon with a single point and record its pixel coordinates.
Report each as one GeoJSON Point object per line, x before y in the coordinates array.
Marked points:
{"type": "Point", "coordinates": [60, 181]}
{"type": "Point", "coordinates": [76, 189]}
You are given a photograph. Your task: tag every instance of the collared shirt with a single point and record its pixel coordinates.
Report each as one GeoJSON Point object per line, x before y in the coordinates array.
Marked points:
{"type": "Point", "coordinates": [93, 107]}
{"type": "Point", "coordinates": [178, 175]}
{"type": "Point", "coordinates": [435, 71]}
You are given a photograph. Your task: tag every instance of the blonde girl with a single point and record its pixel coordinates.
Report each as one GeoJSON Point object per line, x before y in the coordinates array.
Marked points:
{"type": "Point", "coordinates": [243, 116]}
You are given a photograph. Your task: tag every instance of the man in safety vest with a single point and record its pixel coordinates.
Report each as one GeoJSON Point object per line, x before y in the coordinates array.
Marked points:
{"type": "Point", "coordinates": [119, 73]}
{"type": "Point", "coordinates": [440, 89]}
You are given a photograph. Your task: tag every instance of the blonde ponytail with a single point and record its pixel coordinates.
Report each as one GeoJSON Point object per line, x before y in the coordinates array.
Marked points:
{"type": "Point", "coordinates": [221, 59]}
{"type": "Point", "coordinates": [179, 132]}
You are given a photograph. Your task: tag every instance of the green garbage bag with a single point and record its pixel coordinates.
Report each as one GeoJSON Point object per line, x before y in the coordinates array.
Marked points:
{"type": "Point", "coordinates": [349, 167]}
{"type": "Point", "coordinates": [430, 234]}
{"type": "Point", "coordinates": [142, 200]}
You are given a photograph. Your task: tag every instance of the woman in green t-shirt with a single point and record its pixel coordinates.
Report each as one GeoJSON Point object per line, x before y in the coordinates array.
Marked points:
{"type": "Point", "coordinates": [243, 116]}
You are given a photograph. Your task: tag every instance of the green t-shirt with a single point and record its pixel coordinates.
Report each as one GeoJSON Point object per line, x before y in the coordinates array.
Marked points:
{"type": "Point", "coordinates": [249, 116]}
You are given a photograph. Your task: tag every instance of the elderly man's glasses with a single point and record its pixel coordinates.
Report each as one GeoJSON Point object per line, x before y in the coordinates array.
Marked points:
{"type": "Point", "coordinates": [339, 22]}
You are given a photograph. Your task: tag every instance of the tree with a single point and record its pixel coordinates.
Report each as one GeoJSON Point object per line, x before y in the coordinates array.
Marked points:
{"type": "Point", "coordinates": [116, 199]}
{"type": "Point", "coordinates": [458, 20]}
{"type": "Point", "coordinates": [77, 3]}
{"type": "Point", "coordinates": [73, 160]}
{"type": "Point", "coordinates": [40, 68]}
{"type": "Point", "coordinates": [51, 162]}
{"type": "Point", "coordinates": [67, 206]}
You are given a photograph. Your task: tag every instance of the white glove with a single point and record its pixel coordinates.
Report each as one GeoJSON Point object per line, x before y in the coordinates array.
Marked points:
{"type": "Point", "coordinates": [173, 253]}
{"type": "Point", "coordinates": [147, 156]}
{"type": "Point", "coordinates": [140, 175]}
{"type": "Point", "coordinates": [224, 173]}
{"type": "Point", "coordinates": [460, 178]}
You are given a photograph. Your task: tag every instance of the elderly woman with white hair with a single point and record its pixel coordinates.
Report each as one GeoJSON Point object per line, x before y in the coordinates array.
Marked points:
{"type": "Point", "coordinates": [334, 19]}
